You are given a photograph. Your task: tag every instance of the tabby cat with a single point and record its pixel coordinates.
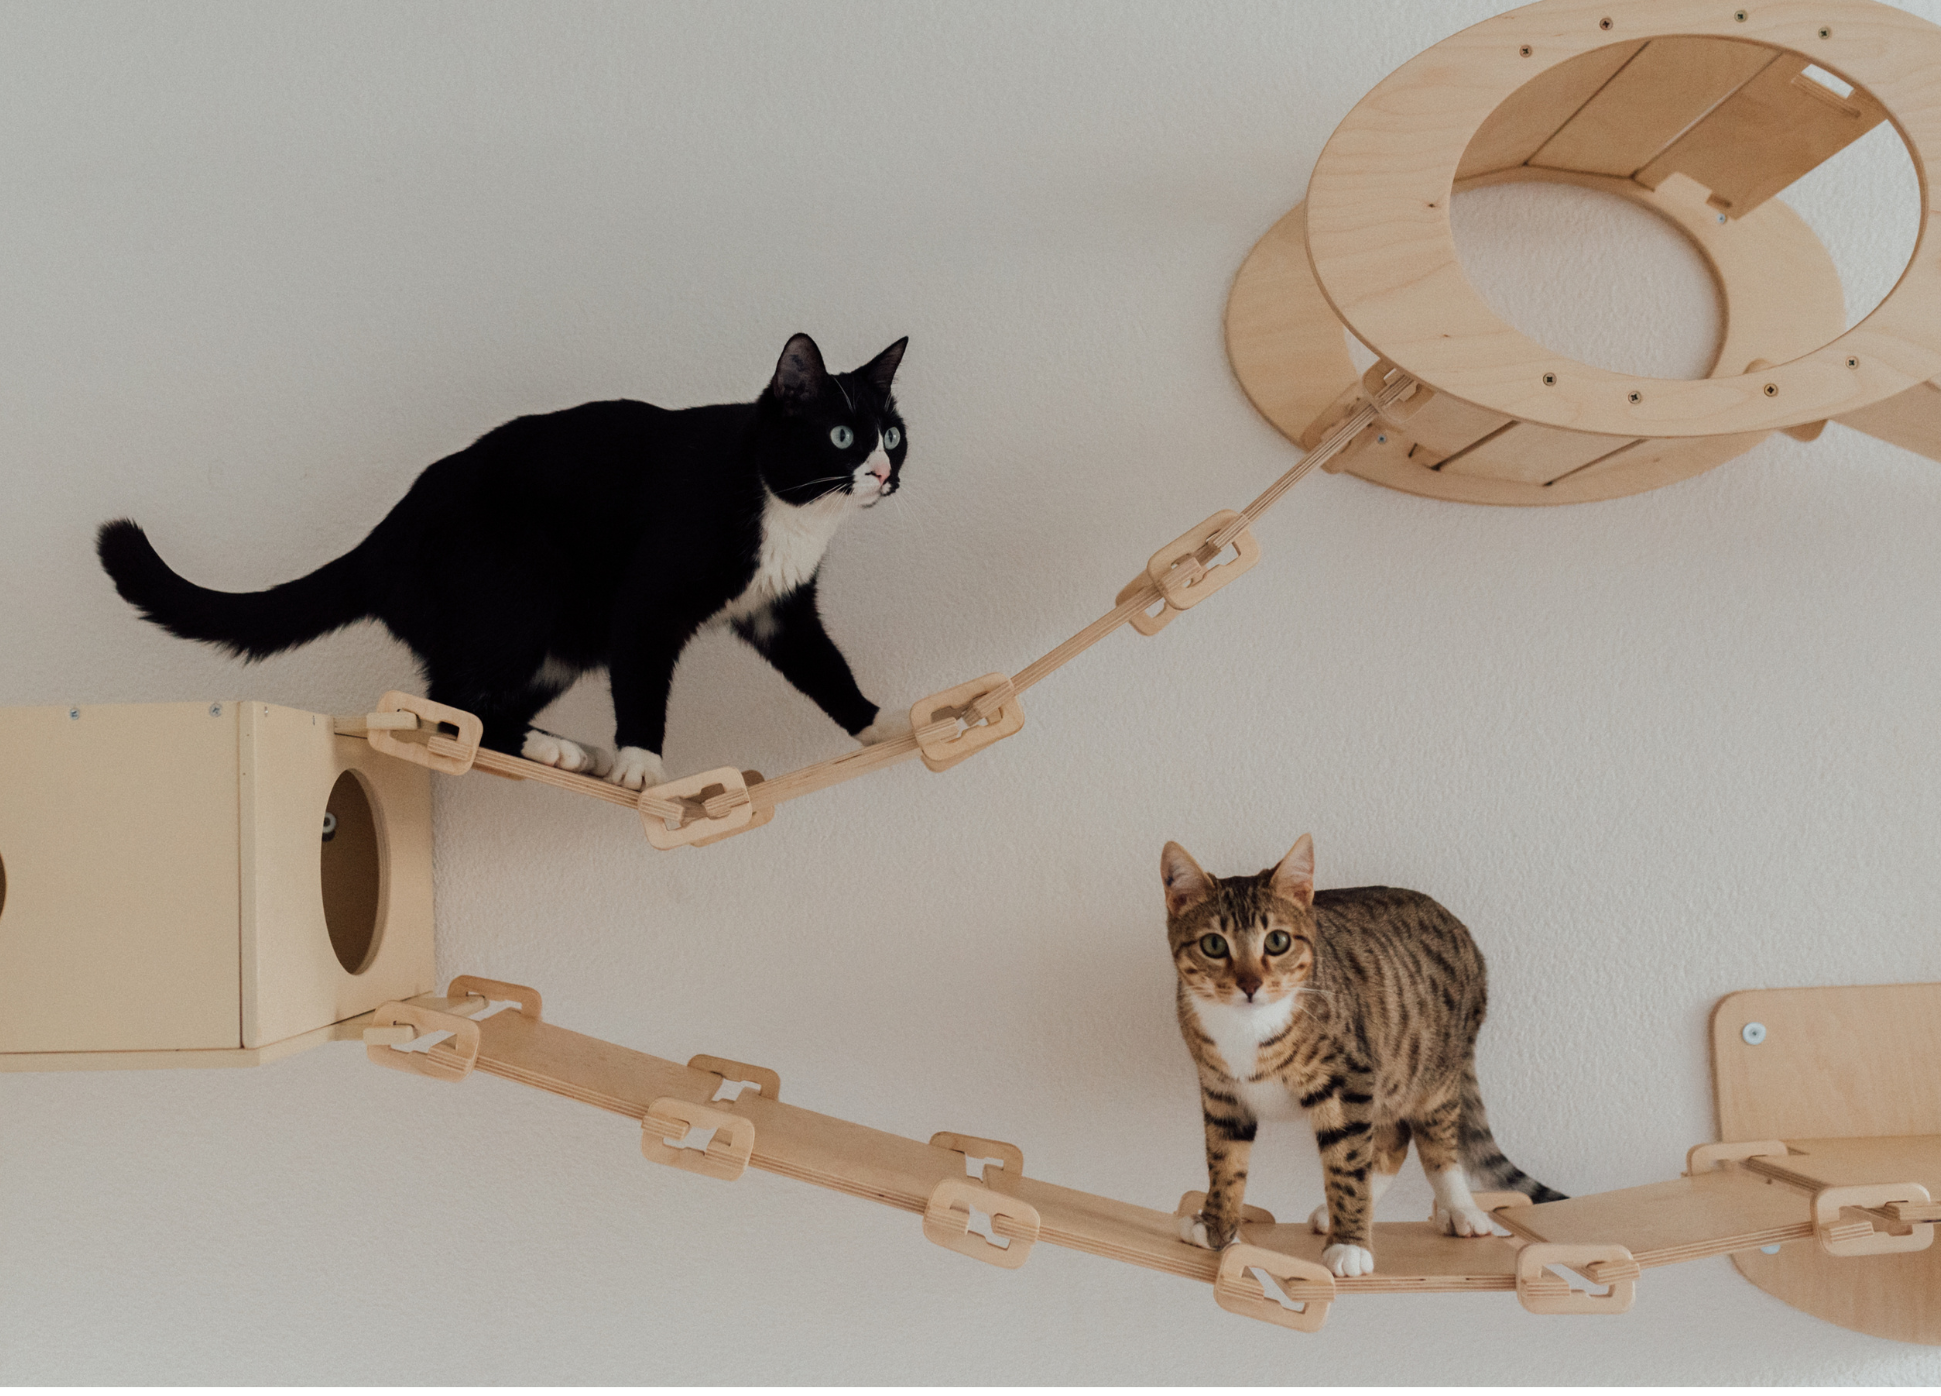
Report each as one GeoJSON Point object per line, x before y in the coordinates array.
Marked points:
{"type": "Point", "coordinates": [1358, 1007]}
{"type": "Point", "coordinates": [605, 537]}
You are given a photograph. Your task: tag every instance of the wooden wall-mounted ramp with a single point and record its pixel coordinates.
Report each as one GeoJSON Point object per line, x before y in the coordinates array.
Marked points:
{"type": "Point", "coordinates": [1735, 1199]}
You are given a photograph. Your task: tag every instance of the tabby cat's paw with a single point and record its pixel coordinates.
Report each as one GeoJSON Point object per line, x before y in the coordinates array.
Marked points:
{"type": "Point", "coordinates": [1193, 1231]}
{"type": "Point", "coordinates": [1317, 1220]}
{"type": "Point", "coordinates": [551, 750]}
{"type": "Point", "coordinates": [637, 768]}
{"type": "Point", "coordinates": [889, 725]}
{"type": "Point", "coordinates": [1464, 1221]}
{"type": "Point", "coordinates": [1349, 1261]}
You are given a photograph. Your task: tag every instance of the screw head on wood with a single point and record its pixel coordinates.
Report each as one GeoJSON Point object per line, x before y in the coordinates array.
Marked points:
{"type": "Point", "coordinates": [1825, 33]}
{"type": "Point", "coordinates": [73, 714]}
{"type": "Point", "coordinates": [1772, 390]}
{"type": "Point", "coordinates": [1753, 1034]}
{"type": "Point", "coordinates": [215, 710]}
{"type": "Point", "coordinates": [1605, 23]}
{"type": "Point", "coordinates": [1549, 380]}
{"type": "Point", "coordinates": [1852, 362]}
{"type": "Point", "coordinates": [1524, 52]}
{"type": "Point", "coordinates": [1739, 15]}
{"type": "Point", "coordinates": [1635, 397]}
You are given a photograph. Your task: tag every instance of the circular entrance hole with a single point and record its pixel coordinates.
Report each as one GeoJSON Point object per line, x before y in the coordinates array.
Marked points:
{"type": "Point", "coordinates": [352, 873]}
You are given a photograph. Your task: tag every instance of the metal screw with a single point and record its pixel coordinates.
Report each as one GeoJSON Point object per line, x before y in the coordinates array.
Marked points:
{"type": "Point", "coordinates": [1604, 23]}
{"type": "Point", "coordinates": [1381, 441]}
{"type": "Point", "coordinates": [1524, 52]}
{"type": "Point", "coordinates": [1825, 33]}
{"type": "Point", "coordinates": [1739, 15]}
{"type": "Point", "coordinates": [73, 714]}
{"type": "Point", "coordinates": [1772, 390]}
{"type": "Point", "coordinates": [1769, 1250]}
{"type": "Point", "coordinates": [1853, 363]}
{"type": "Point", "coordinates": [215, 710]}
{"type": "Point", "coordinates": [1721, 218]}
{"type": "Point", "coordinates": [1549, 380]}
{"type": "Point", "coordinates": [1753, 1034]}
{"type": "Point", "coordinates": [1636, 398]}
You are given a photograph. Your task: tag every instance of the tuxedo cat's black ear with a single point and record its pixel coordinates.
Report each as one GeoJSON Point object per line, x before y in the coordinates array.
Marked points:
{"type": "Point", "coordinates": [1186, 884]}
{"type": "Point", "coordinates": [799, 374]}
{"type": "Point", "coordinates": [880, 370]}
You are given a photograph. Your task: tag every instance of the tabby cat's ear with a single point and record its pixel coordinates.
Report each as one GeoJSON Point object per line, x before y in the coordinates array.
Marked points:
{"type": "Point", "coordinates": [881, 369]}
{"type": "Point", "coordinates": [1186, 884]}
{"type": "Point", "coordinates": [1294, 876]}
{"type": "Point", "coordinates": [799, 374]}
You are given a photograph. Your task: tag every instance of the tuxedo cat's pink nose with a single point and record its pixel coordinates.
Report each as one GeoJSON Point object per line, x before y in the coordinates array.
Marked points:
{"type": "Point", "coordinates": [878, 465]}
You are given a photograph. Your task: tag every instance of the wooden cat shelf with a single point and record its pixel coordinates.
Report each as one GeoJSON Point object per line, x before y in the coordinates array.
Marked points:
{"type": "Point", "coordinates": [1699, 112]}
{"type": "Point", "coordinates": [1845, 1208]}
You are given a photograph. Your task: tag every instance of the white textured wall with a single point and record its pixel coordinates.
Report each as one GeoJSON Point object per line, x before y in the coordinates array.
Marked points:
{"type": "Point", "coordinates": [261, 263]}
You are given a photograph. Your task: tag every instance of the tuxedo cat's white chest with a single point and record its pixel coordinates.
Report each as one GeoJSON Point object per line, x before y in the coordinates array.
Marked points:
{"type": "Point", "coordinates": [793, 542]}
{"type": "Point", "coordinates": [1237, 1032]}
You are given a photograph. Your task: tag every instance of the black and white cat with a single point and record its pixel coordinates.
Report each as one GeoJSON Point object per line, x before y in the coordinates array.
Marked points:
{"type": "Point", "coordinates": [603, 536]}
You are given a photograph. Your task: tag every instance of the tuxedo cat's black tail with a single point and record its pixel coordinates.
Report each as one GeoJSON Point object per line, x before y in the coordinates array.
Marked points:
{"type": "Point", "coordinates": [253, 624]}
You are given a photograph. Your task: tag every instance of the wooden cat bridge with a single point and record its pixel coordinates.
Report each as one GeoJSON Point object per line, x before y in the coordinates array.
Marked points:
{"type": "Point", "coordinates": [237, 940]}
{"type": "Point", "coordinates": [1830, 1207]}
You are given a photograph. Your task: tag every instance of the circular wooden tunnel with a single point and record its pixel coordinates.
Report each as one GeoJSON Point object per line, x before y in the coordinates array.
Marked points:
{"type": "Point", "coordinates": [1699, 112]}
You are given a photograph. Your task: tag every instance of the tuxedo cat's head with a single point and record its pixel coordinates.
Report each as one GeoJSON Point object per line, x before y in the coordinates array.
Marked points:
{"type": "Point", "coordinates": [1241, 941]}
{"type": "Point", "coordinates": [825, 435]}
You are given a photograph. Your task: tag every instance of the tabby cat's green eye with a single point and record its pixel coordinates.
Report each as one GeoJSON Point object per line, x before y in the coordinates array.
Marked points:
{"type": "Point", "coordinates": [1214, 946]}
{"type": "Point", "coordinates": [843, 437]}
{"type": "Point", "coordinates": [1278, 941]}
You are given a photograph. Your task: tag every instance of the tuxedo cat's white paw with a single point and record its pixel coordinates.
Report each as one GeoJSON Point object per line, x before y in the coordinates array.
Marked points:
{"type": "Point", "coordinates": [1464, 1221]}
{"type": "Point", "coordinates": [1349, 1261]}
{"type": "Point", "coordinates": [1317, 1220]}
{"type": "Point", "coordinates": [889, 725]}
{"type": "Point", "coordinates": [636, 768]}
{"type": "Point", "coordinates": [1193, 1231]}
{"type": "Point", "coordinates": [567, 755]}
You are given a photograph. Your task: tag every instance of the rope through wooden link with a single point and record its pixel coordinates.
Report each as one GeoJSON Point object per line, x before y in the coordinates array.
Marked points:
{"type": "Point", "coordinates": [765, 795]}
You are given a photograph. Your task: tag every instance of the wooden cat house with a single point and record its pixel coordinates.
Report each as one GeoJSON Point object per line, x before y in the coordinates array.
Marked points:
{"type": "Point", "coordinates": [202, 884]}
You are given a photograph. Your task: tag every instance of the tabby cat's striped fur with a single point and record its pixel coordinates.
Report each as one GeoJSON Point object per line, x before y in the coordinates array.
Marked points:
{"type": "Point", "coordinates": [1358, 1007]}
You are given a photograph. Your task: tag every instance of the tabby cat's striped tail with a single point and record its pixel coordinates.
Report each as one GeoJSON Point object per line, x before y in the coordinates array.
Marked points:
{"type": "Point", "coordinates": [1482, 1161]}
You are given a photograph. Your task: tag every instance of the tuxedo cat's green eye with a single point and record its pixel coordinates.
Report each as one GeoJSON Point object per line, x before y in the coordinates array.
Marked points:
{"type": "Point", "coordinates": [843, 437]}
{"type": "Point", "coordinates": [892, 439]}
{"type": "Point", "coordinates": [1214, 947]}
{"type": "Point", "coordinates": [1278, 941]}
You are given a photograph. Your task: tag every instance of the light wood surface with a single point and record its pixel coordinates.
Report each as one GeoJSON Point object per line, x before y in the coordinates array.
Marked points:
{"type": "Point", "coordinates": [119, 827]}
{"type": "Point", "coordinates": [1287, 348]}
{"type": "Point", "coordinates": [1713, 1213]}
{"type": "Point", "coordinates": [1911, 420]}
{"type": "Point", "coordinates": [182, 844]}
{"type": "Point", "coordinates": [1309, 1285]}
{"type": "Point", "coordinates": [1537, 110]}
{"type": "Point", "coordinates": [1850, 1079]}
{"type": "Point", "coordinates": [1777, 127]}
{"type": "Point", "coordinates": [1849, 1061]}
{"type": "Point", "coordinates": [292, 979]}
{"type": "Point", "coordinates": [1661, 91]}
{"type": "Point", "coordinates": [1379, 236]}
